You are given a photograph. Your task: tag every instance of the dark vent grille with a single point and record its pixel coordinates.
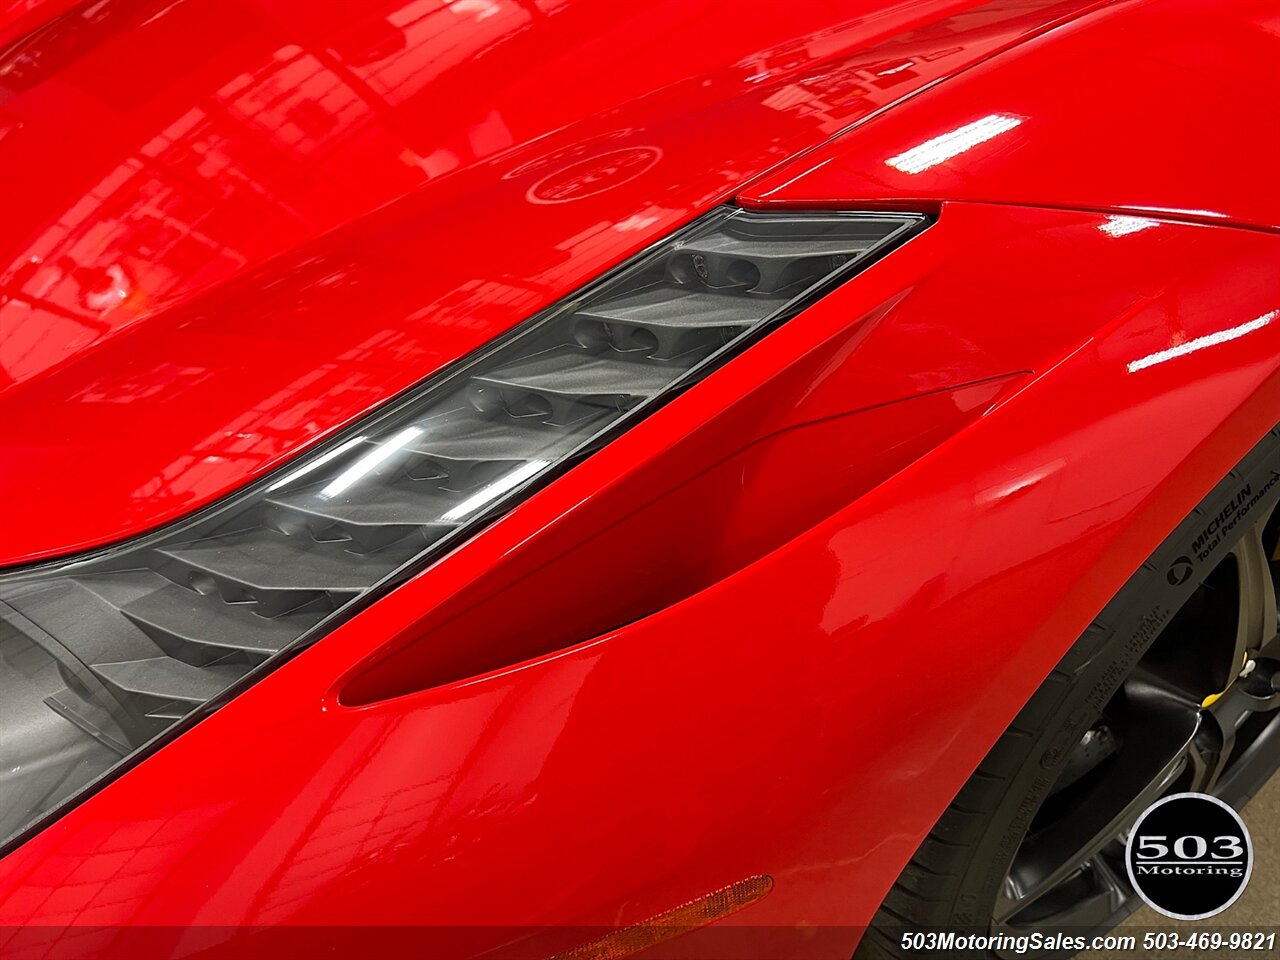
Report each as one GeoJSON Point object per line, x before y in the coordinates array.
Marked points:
{"type": "Point", "coordinates": [123, 644]}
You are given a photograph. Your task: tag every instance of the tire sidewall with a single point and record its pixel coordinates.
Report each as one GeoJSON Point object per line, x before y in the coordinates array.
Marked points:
{"type": "Point", "coordinates": [1073, 698]}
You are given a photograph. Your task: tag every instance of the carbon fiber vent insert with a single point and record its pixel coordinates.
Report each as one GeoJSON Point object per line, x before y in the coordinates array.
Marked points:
{"type": "Point", "coordinates": [101, 655]}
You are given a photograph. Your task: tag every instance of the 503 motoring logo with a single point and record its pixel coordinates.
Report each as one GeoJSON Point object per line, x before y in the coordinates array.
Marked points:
{"type": "Point", "coordinates": [1189, 856]}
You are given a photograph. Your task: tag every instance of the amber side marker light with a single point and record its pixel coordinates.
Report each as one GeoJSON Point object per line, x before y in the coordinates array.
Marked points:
{"type": "Point", "coordinates": [674, 923]}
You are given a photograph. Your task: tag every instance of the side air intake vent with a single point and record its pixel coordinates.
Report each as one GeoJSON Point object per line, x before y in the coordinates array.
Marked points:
{"type": "Point", "coordinates": [99, 655]}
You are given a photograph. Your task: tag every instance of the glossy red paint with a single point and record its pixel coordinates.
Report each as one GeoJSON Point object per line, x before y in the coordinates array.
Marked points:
{"type": "Point", "coordinates": [242, 224]}
{"type": "Point", "coordinates": [769, 696]}
{"type": "Point", "coordinates": [1147, 107]}
{"type": "Point", "coordinates": [728, 734]}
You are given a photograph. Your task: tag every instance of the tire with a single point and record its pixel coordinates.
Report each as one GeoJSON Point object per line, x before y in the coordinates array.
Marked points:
{"type": "Point", "coordinates": [955, 878]}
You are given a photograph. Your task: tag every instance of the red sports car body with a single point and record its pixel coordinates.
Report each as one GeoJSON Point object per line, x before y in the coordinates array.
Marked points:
{"type": "Point", "coordinates": [771, 628]}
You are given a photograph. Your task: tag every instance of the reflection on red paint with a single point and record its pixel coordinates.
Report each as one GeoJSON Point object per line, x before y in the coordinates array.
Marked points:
{"type": "Point", "coordinates": [593, 175]}
{"type": "Point", "coordinates": [306, 205]}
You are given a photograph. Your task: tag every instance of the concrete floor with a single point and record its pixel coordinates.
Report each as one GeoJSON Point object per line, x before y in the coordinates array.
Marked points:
{"type": "Point", "coordinates": [1258, 907]}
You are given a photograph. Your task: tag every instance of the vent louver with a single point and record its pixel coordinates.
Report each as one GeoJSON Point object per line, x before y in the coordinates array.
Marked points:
{"type": "Point", "coordinates": [100, 655]}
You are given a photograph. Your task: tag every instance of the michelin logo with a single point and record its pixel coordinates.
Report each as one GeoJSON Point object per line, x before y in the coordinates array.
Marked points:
{"type": "Point", "coordinates": [1226, 519]}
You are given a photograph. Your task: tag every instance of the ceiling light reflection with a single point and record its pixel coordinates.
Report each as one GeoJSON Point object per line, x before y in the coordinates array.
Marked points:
{"type": "Point", "coordinates": [1123, 226]}
{"type": "Point", "coordinates": [369, 461]}
{"type": "Point", "coordinates": [318, 462]}
{"type": "Point", "coordinates": [940, 149]}
{"type": "Point", "coordinates": [490, 492]}
{"type": "Point", "coordinates": [1199, 343]}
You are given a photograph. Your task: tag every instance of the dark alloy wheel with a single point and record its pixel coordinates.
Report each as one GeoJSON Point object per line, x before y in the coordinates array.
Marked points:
{"type": "Point", "coordinates": [1199, 712]}
{"type": "Point", "coordinates": [1174, 688]}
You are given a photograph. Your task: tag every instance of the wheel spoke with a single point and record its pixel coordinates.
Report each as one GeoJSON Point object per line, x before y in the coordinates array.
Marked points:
{"type": "Point", "coordinates": [1102, 893]}
{"type": "Point", "coordinates": [1108, 893]}
{"type": "Point", "coordinates": [1143, 771]}
{"type": "Point", "coordinates": [1252, 767]}
{"type": "Point", "coordinates": [1173, 725]}
{"type": "Point", "coordinates": [1253, 692]}
{"type": "Point", "coordinates": [1256, 622]}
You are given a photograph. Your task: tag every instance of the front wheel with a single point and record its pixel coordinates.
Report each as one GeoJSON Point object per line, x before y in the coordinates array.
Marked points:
{"type": "Point", "coordinates": [1174, 688]}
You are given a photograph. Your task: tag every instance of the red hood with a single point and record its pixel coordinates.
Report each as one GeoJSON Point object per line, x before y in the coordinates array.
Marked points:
{"type": "Point", "coordinates": [235, 225]}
